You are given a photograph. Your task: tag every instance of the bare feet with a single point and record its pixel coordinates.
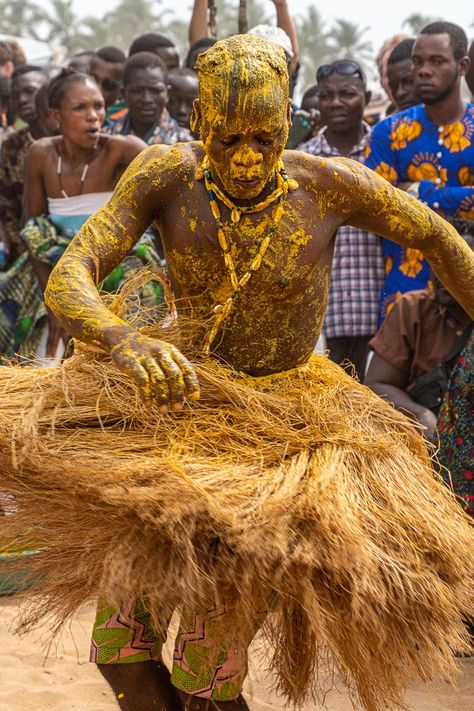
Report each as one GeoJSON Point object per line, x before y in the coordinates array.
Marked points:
{"type": "Point", "coordinates": [142, 686]}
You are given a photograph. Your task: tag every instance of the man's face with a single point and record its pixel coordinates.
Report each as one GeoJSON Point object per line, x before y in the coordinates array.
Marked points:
{"type": "Point", "coordinates": [170, 57]}
{"type": "Point", "coordinates": [342, 101]}
{"type": "Point", "coordinates": [436, 74]}
{"type": "Point", "coordinates": [243, 146]}
{"type": "Point", "coordinates": [109, 78]}
{"type": "Point", "coordinates": [182, 92]}
{"type": "Point", "coordinates": [23, 94]}
{"type": "Point", "coordinates": [146, 95]}
{"type": "Point", "coordinates": [400, 81]}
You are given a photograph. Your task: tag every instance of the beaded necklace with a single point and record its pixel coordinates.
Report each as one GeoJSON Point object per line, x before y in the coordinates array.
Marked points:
{"type": "Point", "coordinates": [284, 184]}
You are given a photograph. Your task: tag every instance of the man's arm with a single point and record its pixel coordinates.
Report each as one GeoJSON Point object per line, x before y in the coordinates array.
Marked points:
{"type": "Point", "coordinates": [160, 370]}
{"type": "Point", "coordinates": [198, 24]}
{"type": "Point", "coordinates": [448, 199]}
{"type": "Point", "coordinates": [376, 206]}
{"type": "Point", "coordinates": [285, 21]}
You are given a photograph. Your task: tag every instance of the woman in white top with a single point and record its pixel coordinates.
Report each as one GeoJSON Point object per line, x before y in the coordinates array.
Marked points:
{"type": "Point", "coordinates": [68, 177]}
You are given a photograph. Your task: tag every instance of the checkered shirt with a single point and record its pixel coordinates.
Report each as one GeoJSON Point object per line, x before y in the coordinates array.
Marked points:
{"type": "Point", "coordinates": [357, 272]}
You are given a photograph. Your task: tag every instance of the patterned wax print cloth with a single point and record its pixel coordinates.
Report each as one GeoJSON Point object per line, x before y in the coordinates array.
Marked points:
{"type": "Point", "coordinates": [408, 147]}
{"type": "Point", "coordinates": [357, 271]}
{"type": "Point", "coordinates": [456, 428]}
{"type": "Point", "coordinates": [22, 308]}
{"type": "Point", "coordinates": [165, 131]}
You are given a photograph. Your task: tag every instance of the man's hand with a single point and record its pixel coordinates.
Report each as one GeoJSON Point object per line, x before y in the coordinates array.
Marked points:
{"type": "Point", "coordinates": [428, 419]}
{"type": "Point", "coordinates": [161, 372]}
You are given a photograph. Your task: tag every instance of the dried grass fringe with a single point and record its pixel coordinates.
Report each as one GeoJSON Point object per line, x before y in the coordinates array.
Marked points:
{"type": "Point", "coordinates": [305, 483]}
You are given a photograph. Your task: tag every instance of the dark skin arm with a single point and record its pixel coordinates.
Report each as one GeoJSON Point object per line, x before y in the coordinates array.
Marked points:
{"type": "Point", "coordinates": [390, 383]}
{"type": "Point", "coordinates": [35, 203]}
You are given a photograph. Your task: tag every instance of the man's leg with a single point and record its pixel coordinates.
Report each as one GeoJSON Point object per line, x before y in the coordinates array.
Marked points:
{"type": "Point", "coordinates": [354, 349]}
{"type": "Point", "coordinates": [210, 658]}
{"type": "Point", "coordinates": [127, 651]}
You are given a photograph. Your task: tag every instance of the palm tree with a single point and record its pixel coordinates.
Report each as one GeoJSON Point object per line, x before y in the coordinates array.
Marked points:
{"type": "Point", "coordinates": [63, 25]}
{"type": "Point", "coordinates": [347, 41]}
{"type": "Point", "coordinates": [314, 46]}
{"type": "Point", "coordinates": [94, 33]}
{"type": "Point", "coordinates": [134, 17]}
{"type": "Point", "coordinates": [416, 22]}
{"type": "Point", "coordinates": [21, 18]}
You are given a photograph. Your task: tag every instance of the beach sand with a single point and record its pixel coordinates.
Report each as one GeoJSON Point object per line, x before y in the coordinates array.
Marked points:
{"type": "Point", "coordinates": [66, 681]}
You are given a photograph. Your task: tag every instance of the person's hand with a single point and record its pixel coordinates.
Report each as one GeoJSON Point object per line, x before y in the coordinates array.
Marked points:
{"type": "Point", "coordinates": [428, 419]}
{"type": "Point", "coordinates": [161, 372]}
{"type": "Point", "coordinates": [55, 333]}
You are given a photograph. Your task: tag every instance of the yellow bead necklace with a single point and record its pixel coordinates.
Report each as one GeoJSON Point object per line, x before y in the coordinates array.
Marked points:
{"type": "Point", "coordinates": [284, 184]}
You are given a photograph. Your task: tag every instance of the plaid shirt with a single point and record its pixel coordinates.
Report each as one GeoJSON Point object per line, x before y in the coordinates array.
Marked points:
{"type": "Point", "coordinates": [357, 272]}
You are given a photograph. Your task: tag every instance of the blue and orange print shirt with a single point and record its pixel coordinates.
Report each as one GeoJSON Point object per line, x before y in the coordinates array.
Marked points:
{"type": "Point", "coordinates": [408, 147]}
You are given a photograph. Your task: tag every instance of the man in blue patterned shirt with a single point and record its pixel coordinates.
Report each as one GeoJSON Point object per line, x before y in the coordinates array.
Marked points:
{"type": "Point", "coordinates": [357, 270]}
{"type": "Point", "coordinates": [428, 148]}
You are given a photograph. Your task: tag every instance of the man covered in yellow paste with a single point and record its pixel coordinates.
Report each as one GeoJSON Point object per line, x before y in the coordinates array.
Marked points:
{"type": "Point", "coordinates": [248, 230]}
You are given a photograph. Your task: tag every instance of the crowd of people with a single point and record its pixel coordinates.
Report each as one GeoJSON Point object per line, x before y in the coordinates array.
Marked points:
{"type": "Point", "coordinates": [68, 134]}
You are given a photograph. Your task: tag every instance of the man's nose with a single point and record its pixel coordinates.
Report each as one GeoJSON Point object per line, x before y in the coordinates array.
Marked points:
{"type": "Point", "coordinates": [423, 70]}
{"type": "Point", "coordinates": [246, 157]}
{"type": "Point", "coordinates": [335, 100]}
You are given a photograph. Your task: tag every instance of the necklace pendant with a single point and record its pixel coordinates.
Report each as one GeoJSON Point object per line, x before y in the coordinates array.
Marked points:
{"type": "Point", "coordinates": [235, 215]}
{"type": "Point", "coordinates": [293, 184]}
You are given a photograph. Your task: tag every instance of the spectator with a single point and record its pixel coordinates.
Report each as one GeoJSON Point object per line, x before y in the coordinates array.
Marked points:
{"type": "Point", "coordinates": [81, 62]}
{"type": "Point", "coordinates": [106, 66]}
{"type": "Point", "coordinates": [415, 349]}
{"type": "Point", "coordinates": [400, 75]}
{"type": "Point", "coordinates": [182, 91]}
{"type": "Point", "coordinates": [68, 177]}
{"type": "Point", "coordinates": [145, 82]}
{"type": "Point", "coordinates": [48, 125]}
{"type": "Point", "coordinates": [156, 44]}
{"type": "Point", "coordinates": [5, 90]}
{"type": "Point", "coordinates": [381, 60]}
{"type": "Point", "coordinates": [357, 272]}
{"type": "Point", "coordinates": [427, 148]}
{"type": "Point", "coordinates": [26, 80]}
{"type": "Point", "coordinates": [456, 433]}
{"type": "Point", "coordinates": [197, 48]}
{"type": "Point", "coordinates": [310, 99]}
{"type": "Point", "coordinates": [6, 60]}
{"type": "Point", "coordinates": [17, 54]}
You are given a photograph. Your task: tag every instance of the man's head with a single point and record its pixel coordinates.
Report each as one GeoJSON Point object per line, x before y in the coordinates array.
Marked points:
{"type": "Point", "coordinates": [343, 95]}
{"type": "Point", "coordinates": [399, 75]}
{"type": "Point", "coordinates": [5, 90]}
{"type": "Point", "coordinates": [182, 90]}
{"type": "Point", "coordinates": [242, 114]}
{"type": "Point", "coordinates": [81, 62]}
{"type": "Point", "coordinates": [6, 60]}
{"type": "Point", "coordinates": [310, 99]}
{"type": "Point", "coordinates": [382, 58]}
{"type": "Point", "coordinates": [196, 49]}
{"type": "Point", "coordinates": [275, 34]}
{"type": "Point", "coordinates": [145, 80]}
{"type": "Point", "coordinates": [107, 69]}
{"type": "Point", "coordinates": [156, 44]}
{"type": "Point", "coordinates": [26, 80]}
{"type": "Point", "coordinates": [439, 61]}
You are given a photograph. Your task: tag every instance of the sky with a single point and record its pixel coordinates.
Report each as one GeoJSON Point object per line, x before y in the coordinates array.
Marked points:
{"type": "Point", "coordinates": [382, 18]}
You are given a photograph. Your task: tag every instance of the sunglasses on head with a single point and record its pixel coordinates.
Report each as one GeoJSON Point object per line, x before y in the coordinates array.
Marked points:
{"type": "Point", "coordinates": [345, 67]}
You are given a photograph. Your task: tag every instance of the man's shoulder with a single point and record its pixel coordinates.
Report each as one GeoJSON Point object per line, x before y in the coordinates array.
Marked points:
{"type": "Point", "coordinates": [179, 161]}
{"type": "Point", "coordinates": [416, 303]}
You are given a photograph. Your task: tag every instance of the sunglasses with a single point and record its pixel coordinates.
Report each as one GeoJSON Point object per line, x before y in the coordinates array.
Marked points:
{"type": "Point", "coordinates": [345, 67]}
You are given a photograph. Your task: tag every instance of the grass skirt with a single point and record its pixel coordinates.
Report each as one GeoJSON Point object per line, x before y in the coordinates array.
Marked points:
{"type": "Point", "coordinates": [305, 484]}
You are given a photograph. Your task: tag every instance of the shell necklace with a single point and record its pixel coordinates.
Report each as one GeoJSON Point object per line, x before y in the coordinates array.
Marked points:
{"type": "Point", "coordinates": [284, 184]}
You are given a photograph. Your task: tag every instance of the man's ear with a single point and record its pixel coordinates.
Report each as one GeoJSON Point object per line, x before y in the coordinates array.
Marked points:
{"type": "Point", "coordinates": [464, 65]}
{"type": "Point", "coordinates": [196, 118]}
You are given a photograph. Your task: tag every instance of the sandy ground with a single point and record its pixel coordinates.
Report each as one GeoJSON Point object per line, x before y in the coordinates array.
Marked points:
{"type": "Point", "coordinates": [67, 682]}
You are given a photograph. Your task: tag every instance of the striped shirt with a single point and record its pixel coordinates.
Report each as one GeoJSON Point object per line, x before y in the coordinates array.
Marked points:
{"type": "Point", "coordinates": [358, 267]}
